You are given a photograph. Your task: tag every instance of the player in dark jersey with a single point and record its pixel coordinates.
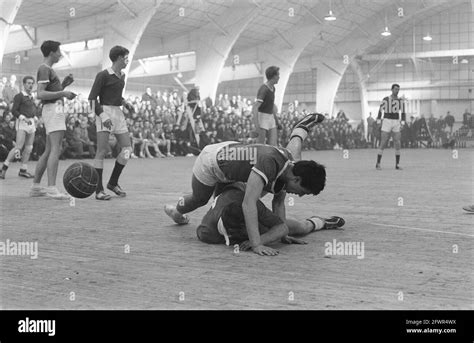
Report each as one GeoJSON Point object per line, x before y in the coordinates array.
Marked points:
{"type": "Point", "coordinates": [225, 222]}
{"type": "Point", "coordinates": [24, 109]}
{"type": "Point", "coordinates": [264, 109]}
{"type": "Point", "coordinates": [391, 106]}
{"type": "Point", "coordinates": [108, 87]}
{"type": "Point", "coordinates": [263, 167]}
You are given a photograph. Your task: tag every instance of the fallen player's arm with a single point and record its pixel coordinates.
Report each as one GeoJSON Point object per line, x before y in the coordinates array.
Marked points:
{"type": "Point", "coordinates": [249, 207]}
{"type": "Point", "coordinates": [276, 233]}
{"type": "Point", "coordinates": [278, 205]}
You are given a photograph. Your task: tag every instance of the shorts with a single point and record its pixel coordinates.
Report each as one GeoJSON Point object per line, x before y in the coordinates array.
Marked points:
{"type": "Point", "coordinates": [24, 126]}
{"type": "Point", "coordinates": [119, 124]}
{"type": "Point", "coordinates": [206, 169]}
{"type": "Point", "coordinates": [54, 117]}
{"type": "Point", "coordinates": [390, 125]}
{"type": "Point", "coordinates": [266, 121]}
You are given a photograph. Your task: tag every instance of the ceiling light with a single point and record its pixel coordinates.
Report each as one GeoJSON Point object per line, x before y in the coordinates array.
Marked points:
{"type": "Point", "coordinates": [427, 38]}
{"type": "Point", "coordinates": [464, 61]}
{"type": "Point", "coordinates": [386, 32]}
{"type": "Point", "coordinates": [330, 16]}
{"type": "Point", "coordinates": [398, 65]}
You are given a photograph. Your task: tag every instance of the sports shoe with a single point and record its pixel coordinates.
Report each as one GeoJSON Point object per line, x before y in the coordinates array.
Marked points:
{"type": "Point", "coordinates": [333, 223]}
{"type": "Point", "coordinates": [117, 190]}
{"type": "Point", "coordinates": [309, 121]}
{"type": "Point", "coordinates": [53, 193]}
{"type": "Point", "coordinates": [177, 217]}
{"type": "Point", "coordinates": [25, 174]}
{"type": "Point", "coordinates": [378, 167]}
{"type": "Point", "coordinates": [2, 174]}
{"type": "Point", "coordinates": [397, 167]}
{"type": "Point", "coordinates": [37, 191]}
{"type": "Point", "coordinates": [102, 196]}
{"type": "Point", "coordinates": [469, 208]}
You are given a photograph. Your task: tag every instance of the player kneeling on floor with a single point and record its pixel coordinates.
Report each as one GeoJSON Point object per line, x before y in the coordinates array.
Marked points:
{"type": "Point", "coordinates": [224, 223]}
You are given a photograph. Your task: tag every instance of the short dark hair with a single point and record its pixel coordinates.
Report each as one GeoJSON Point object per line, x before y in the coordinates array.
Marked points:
{"type": "Point", "coordinates": [313, 175]}
{"type": "Point", "coordinates": [117, 51]}
{"type": "Point", "coordinates": [271, 71]}
{"type": "Point", "coordinates": [49, 46]}
{"type": "Point", "coordinates": [28, 77]}
{"type": "Point", "coordinates": [395, 85]}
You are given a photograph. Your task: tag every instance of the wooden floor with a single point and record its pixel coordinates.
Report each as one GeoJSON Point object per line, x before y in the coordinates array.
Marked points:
{"type": "Point", "coordinates": [408, 248]}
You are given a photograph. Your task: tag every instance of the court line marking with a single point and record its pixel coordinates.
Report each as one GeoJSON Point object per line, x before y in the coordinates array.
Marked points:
{"type": "Point", "coordinates": [420, 229]}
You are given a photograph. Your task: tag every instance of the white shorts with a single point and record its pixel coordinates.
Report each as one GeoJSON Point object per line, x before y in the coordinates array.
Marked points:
{"type": "Point", "coordinates": [206, 169]}
{"type": "Point", "coordinates": [266, 121]}
{"type": "Point", "coordinates": [119, 124]}
{"type": "Point", "coordinates": [24, 126]}
{"type": "Point", "coordinates": [54, 117]}
{"type": "Point", "coordinates": [390, 125]}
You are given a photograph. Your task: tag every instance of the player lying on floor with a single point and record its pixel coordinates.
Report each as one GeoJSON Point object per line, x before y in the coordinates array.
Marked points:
{"type": "Point", "coordinates": [225, 223]}
{"type": "Point", "coordinates": [265, 169]}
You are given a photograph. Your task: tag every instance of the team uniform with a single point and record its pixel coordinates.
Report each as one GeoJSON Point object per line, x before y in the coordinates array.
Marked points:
{"type": "Point", "coordinates": [212, 230]}
{"type": "Point", "coordinates": [108, 87]}
{"type": "Point", "coordinates": [53, 113]}
{"type": "Point", "coordinates": [393, 108]}
{"type": "Point", "coordinates": [266, 98]}
{"type": "Point", "coordinates": [24, 110]}
{"type": "Point", "coordinates": [391, 114]}
{"type": "Point", "coordinates": [214, 166]}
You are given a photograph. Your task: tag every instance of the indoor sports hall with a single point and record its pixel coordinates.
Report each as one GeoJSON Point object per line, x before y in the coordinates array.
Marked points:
{"type": "Point", "coordinates": [407, 242]}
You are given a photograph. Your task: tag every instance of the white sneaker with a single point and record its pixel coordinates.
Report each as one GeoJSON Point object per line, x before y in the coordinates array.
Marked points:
{"type": "Point", "coordinates": [54, 193]}
{"type": "Point", "coordinates": [37, 191]}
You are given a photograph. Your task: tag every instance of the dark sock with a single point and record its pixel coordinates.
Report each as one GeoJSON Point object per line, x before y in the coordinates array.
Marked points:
{"type": "Point", "coordinates": [4, 167]}
{"type": "Point", "coordinates": [22, 170]}
{"type": "Point", "coordinates": [116, 174]}
{"type": "Point", "coordinates": [379, 158]}
{"type": "Point", "coordinates": [397, 159]}
{"type": "Point", "coordinates": [100, 187]}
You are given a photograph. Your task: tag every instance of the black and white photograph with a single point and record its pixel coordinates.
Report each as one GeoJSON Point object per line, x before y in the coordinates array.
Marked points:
{"type": "Point", "coordinates": [258, 156]}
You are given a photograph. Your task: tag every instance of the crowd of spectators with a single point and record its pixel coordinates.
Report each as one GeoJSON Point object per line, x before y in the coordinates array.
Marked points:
{"type": "Point", "coordinates": [160, 127]}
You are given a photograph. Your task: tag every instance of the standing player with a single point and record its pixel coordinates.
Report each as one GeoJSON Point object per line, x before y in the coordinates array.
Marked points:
{"type": "Point", "coordinates": [269, 170]}
{"type": "Point", "coordinates": [108, 86]}
{"type": "Point", "coordinates": [264, 110]}
{"type": "Point", "coordinates": [391, 106]}
{"type": "Point", "coordinates": [51, 93]}
{"type": "Point", "coordinates": [24, 109]}
{"type": "Point", "coordinates": [225, 222]}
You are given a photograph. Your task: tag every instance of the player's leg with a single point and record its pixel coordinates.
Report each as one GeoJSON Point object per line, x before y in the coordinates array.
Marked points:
{"type": "Point", "coordinates": [262, 135]}
{"type": "Point", "coordinates": [41, 165]}
{"type": "Point", "coordinates": [315, 223]}
{"type": "Point", "coordinates": [199, 197]}
{"type": "Point", "coordinates": [397, 145]}
{"type": "Point", "coordinates": [385, 136]}
{"type": "Point", "coordinates": [300, 132]}
{"type": "Point", "coordinates": [56, 139]}
{"type": "Point", "coordinates": [273, 136]}
{"type": "Point", "coordinates": [102, 149]}
{"type": "Point", "coordinates": [14, 153]}
{"type": "Point", "coordinates": [29, 140]}
{"type": "Point", "coordinates": [123, 139]}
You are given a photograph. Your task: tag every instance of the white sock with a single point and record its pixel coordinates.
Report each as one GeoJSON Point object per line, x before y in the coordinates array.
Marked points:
{"type": "Point", "coordinates": [299, 132]}
{"type": "Point", "coordinates": [317, 222]}
{"type": "Point", "coordinates": [24, 166]}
